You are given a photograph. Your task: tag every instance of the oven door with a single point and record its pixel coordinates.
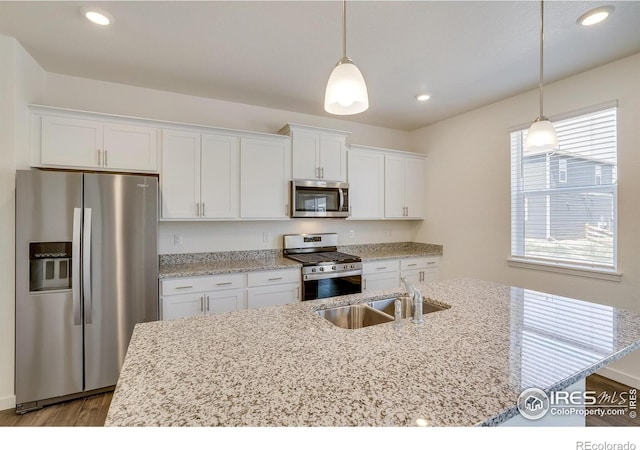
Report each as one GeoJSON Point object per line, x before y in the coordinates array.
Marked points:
{"type": "Point", "coordinates": [315, 287]}
{"type": "Point", "coordinates": [319, 199]}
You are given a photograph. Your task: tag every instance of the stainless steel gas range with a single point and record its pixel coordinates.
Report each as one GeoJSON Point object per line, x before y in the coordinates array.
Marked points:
{"type": "Point", "coordinates": [326, 272]}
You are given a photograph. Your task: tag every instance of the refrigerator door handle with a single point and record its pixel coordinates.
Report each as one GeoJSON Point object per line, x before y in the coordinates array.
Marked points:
{"type": "Point", "coordinates": [75, 266]}
{"type": "Point", "coordinates": [86, 266]}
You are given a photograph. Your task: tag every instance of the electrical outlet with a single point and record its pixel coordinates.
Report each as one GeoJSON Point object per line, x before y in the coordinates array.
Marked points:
{"type": "Point", "coordinates": [177, 240]}
{"type": "Point", "coordinates": [352, 234]}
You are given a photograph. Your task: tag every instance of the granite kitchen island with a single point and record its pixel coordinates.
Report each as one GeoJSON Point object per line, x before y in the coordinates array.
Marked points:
{"type": "Point", "coordinates": [287, 366]}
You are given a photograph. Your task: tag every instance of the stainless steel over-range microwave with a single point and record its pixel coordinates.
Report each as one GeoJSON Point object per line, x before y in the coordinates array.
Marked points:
{"type": "Point", "coordinates": [315, 198]}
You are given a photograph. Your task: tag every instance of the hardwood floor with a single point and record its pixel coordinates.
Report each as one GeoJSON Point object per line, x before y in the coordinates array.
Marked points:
{"type": "Point", "coordinates": [82, 412]}
{"type": "Point", "coordinates": [92, 411]}
{"type": "Point", "coordinates": [601, 384]}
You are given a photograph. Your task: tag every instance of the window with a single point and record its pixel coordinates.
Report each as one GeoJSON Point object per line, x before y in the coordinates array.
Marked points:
{"type": "Point", "coordinates": [560, 212]}
{"type": "Point", "coordinates": [562, 171]}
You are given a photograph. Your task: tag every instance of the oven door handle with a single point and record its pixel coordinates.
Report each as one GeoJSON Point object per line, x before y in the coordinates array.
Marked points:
{"type": "Point", "coordinates": [324, 276]}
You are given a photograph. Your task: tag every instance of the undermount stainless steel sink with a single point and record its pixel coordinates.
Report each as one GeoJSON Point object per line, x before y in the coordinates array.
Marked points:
{"type": "Point", "coordinates": [373, 313]}
{"type": "Point", "coordinates": [354, 316]}
{"type": "Point", "coordinates": [387, 306]}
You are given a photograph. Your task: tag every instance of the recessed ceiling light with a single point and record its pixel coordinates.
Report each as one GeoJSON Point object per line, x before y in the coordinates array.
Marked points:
{"type": "Point", "coordinates": [97, 16]}
{"type": "Point", "coordinates": [423, 97]}
{"type": "Point", "coordinates": [595, 16]}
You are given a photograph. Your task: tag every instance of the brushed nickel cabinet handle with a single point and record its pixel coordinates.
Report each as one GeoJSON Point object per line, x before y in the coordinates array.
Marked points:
{"type": "Point", "coordinates": [275, 279]}
{"type": "Point", "coordinates": [226, 283]}
{"type": "Point", "coordinates": [184, 287]}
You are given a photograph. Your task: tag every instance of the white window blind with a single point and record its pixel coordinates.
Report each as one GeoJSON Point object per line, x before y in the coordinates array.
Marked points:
{"type": "Point", "coordinates": [560, 211]}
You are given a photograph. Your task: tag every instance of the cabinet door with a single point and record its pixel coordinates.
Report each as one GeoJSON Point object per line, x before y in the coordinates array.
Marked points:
{"type": "Point", "coordinates": [366, 185]}
{"type": "Point", "coordinates": [394, 186]}
{"type": "Point", "coordinates": [414, 188]}
{"type": "Point", "coordinates": [224, 301]}
{"type": "Point", "coordinates": [220, 176]}
{"type": "Point", "coordinates": [380, 281]}
{"type": "Point", "coordinates": [130, 147]}
{"type": "Point", "coordinates": [182, 305]}
{"type": "Point", "coordinates": [71, 142]}
{"type": "Point", "coordinates": [265, 171]}
{"type": "Point", "coordinates": [305, 155]}
{"type": "Point", "coordinates": [180, 177]}
{"type": "Point", "coordinates": [413, 276]}
{"type": "Point", "coordinates": [280, 294]}
{"type": "Point", "coordinates": [332, 158]}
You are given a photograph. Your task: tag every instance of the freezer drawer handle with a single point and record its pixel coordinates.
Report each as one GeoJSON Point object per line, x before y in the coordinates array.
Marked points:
{"type": "Point", "coordinates": [86, 266]}
{"type": "Point", "coordinates": [75, 266]}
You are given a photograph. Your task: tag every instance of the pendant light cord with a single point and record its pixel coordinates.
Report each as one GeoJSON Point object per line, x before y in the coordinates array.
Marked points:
{"type": "Point", "coordinates": [344, 28]}
{"type": "Point", "coordinates": [541, 52]}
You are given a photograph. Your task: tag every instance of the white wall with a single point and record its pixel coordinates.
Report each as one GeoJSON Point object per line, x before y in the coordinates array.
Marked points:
{"type": "Point", "coordinates": [229, 236]}
{"type": "Point", "coordinates": [81, 93]}
{"type": "Point", "coordinates": [21, 82]}
{"type": "Point", "coordinates": [468, 192]}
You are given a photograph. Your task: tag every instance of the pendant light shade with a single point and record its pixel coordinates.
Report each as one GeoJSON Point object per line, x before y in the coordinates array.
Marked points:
{"type": "Point", "coordinates": [542, 135]}
{"type": "Point", "coordinates": [346, 91]}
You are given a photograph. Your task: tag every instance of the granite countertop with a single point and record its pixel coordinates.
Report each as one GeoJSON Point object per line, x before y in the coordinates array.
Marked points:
{"type": "Point", "coordinates": [286, 366]}
{"type": "Point", "coordinates": [221, 267]}
{"type": "Point", "coordinates": [374, 252]}
{"type": "Point", "coordinates": [220, 263]}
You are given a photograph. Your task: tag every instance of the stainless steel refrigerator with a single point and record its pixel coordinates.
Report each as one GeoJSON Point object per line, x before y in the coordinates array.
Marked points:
{"type": "Point", "coordinates": [86, 273]}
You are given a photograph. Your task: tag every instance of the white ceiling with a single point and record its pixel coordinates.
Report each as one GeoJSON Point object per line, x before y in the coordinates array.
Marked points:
{"type": "Point", "coordinates": [280, 54]}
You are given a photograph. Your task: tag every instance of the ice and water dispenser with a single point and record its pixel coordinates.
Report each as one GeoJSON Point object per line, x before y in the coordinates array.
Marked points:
{"type": "Point", "coordinates": [49, 266]}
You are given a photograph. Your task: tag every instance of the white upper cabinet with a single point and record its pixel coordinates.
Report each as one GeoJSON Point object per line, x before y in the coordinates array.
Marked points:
{"type": "Point", "coordinates": [180, 176]}
{"type": "Point", "coordinates": [265, 172]}
{"type": "Point", "coordinates": [317, 153]}
{"type": "Point", "coordinates": [366, 182]}
{"type": "Point", "coordinates": [220, 176]}
{"type": "Point", "coordinates": [130, 147]}
{"type": "Point", "coordinates": [71, 142]}
{"type": "Point", "coordinates": [200, 175]}
{"type": "Point", "coordinates": [77, 140]}
{"type": "Point", "coordinates": [404, 186]}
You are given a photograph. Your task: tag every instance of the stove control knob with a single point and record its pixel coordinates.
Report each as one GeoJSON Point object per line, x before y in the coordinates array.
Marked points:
{"type": "Point", "coordinates": [333, 267]}
{"type": "Point", "coordinates": [321, 269]}
{"type": "Point", "coordinates": [345, 267]}
{"type": "Point", "coordinates": [313, 270]}
{"type": "Point", "coordinates": [352, 266]}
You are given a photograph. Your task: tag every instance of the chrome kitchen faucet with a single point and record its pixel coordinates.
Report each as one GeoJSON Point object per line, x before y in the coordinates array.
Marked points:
{"type": "Point", "coordinates": [416, 300]}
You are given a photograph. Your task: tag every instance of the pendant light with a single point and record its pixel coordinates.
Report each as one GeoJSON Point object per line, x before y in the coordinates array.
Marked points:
{"type": "Point", "coordinates": [346, 90]}
{"type": "Point", "coordinates": [542, 134]}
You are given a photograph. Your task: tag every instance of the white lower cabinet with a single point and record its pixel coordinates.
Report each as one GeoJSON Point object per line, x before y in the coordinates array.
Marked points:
{"type": "Point", "coordinates": [420, 270]}
{"type": "Point", "coordinates": [380, 275]}
{"type": "Point", "coordinates": [271, 288]}
{"type": "Point", "coordinates": [201, 296]}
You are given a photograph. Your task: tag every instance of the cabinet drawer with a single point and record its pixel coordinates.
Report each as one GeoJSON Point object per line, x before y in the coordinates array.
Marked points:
{"type": "Point", "coordinates": [419, 263]}
{"type": "Point", "coordinates": [267, 278]}
{"type": "Point", "coordinates": [383, 266]}
{"type": "Point", "coordinates": [201, 284]}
